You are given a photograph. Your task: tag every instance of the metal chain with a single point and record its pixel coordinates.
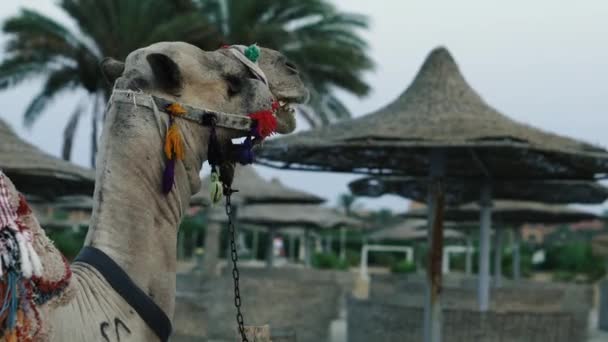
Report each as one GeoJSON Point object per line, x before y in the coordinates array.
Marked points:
{"type": "Point", "coordinates": [235, 269]}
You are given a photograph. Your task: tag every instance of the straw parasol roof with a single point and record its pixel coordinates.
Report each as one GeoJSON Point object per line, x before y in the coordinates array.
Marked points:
{"type": "Point", "coordinates": [289, 215]}
{"type": "Point", "coordinates": [37, 173]}
{"type": "Point", "coordinates": [459, 192]}
{"type": "Point", "coordinates": [74, 202]}
{"type": "Point", "coordinates": [438, 110]}
{"type": "Point", "coordinates": [512, 212]}
{"type": "Point", "coordinates": [255, 189]}
{"type": "Point", "coordinates": [411, 229]}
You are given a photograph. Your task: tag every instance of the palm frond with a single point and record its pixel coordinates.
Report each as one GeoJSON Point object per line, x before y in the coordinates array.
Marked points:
{"type": "Point", "coordinates": [70, 130]}
{"type": "Point", "coordinates": [190, 28]}
{"type": "Point", "coordinates": [17, 69]}
{"type": "Point", "coordinates": [33, 24]}
{"type": "Point", "coordinates": [57, 81]}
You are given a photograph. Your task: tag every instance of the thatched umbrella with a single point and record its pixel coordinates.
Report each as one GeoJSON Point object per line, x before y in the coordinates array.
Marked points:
{"type": "Point", "coordinates": [459, 192]}
{"type": "Point", "coordinates": [413, 230]}
{"type": "Point", "coordinates": [410, 230]}
{"type": "Point", "coordinates": [74, 202]}
{"type": "Point", "coordinates": [439, 127]}
{"type": "Point", "coordinates": [252, 189]}
{"type": "Point", "coordinates": [37, 173]}
{"type": "Point", "coordinates": [303, 216]}
{"type": "Point", "coordinates": [511, 214]}
{"type": "Point", "coordinates": [307, 216]}
{"type": "Point", "coordinates": [558, 192]}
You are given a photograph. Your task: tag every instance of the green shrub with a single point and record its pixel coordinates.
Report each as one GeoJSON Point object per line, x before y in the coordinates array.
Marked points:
{"type": "Point", "coordinates": [576, 258]}
{"type": "Point", "coordinates": [564, 276]}
{"type": "Point", "coordinates": [328, 261]}
{"type": "Point", "coordinates": [67, 241]}
{"type": "Point", "coordinates": [353, 257]}
{"type": "Point", "coordinates": [403, 266]}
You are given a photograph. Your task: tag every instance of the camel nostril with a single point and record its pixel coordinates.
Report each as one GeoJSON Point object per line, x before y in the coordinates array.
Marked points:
{"type": "Point", "coordinates": [291, 67]}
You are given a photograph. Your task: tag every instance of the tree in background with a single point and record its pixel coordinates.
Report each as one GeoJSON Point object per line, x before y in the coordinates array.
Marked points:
{"type": "Point", "coordinates": [346, 202]}
{"type": "Point", "coordinates": [322, 41]}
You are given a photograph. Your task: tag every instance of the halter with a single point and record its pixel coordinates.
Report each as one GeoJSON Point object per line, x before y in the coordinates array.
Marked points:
{"type": "Point", "coordinates": [206, 117]}
{"type": "Point", "coordinates": [255, 127]}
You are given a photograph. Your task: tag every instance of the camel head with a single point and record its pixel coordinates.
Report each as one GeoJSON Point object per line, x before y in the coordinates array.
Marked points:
{"type": "Point", "coordinates": [213, 80]}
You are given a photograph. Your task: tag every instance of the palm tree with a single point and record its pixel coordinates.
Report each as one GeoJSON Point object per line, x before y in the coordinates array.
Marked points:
{"type": "Point", "coordinates": [346, 202]}
{"type": "Point", "coordinates": [41, 47]}
{"type": "Point", "coordinates": [313, 34]}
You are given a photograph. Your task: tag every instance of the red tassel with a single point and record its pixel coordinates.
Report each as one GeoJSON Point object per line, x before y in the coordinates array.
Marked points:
{"type": "Point", "coordinates": [24, 209]}
{"type": "Point", "coordinates": [266, 122]}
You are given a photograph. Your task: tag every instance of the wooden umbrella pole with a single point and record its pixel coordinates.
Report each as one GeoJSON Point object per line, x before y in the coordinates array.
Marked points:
{"type": "Point", "coordinates": [342, 243]}
{"type": "Point", "coordinates": [292, 248]}
{"type": "Point", "coordinates": [270, 248]}
{"type": "Point", "coordinates": [469, 255]}
{"type": "Point", "coordinates": [307, 247]}
{"type": "Point", "coordinates": [212, 248]}
{"type": "Point", "coordinates": [516, 254]}
{"type": "Point", "coordinates": [483, 294]}
{"type": "Point", "coordinates": [432, 307]}
{"type": "Point", "coordinates": [255, 243]}
{"type": "Point", "coordinates": [498, 237]}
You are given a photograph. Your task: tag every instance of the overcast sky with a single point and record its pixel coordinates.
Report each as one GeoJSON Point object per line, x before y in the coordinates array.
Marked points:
{"type": "Point", "coordinates": [541, 62]}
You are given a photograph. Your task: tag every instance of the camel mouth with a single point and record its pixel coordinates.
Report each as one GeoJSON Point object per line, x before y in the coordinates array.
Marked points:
{"type": "Point", "coordinates": [286, 106]}
{"type": "Point", "coordinates": [287, 101]}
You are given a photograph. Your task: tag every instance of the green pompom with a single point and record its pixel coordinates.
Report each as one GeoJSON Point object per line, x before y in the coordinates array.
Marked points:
{"type": "Point", "coordinates": [252, 53]}
{"type": "Point", "coordinates": [215, 188]}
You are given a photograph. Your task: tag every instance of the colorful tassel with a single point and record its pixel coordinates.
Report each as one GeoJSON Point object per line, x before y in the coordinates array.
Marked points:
{"type": "Point", "coordinates": [174, 143]}
{"type": "Point", "coordinates": [176, 109]}
{"type": "Point", "coordinates": [252, 53]}
{"type": "Point", "coordinates": [215, 188]}
{"type": "Point", "coordinates": [265, 123]}
{"type": "Point", "coordinates": [174, 146]}
{"type": "Point", "coordinates": [244, 154]}
{"type": "Point", "coordinates": [21, 286]}
{"type": "Point", "coordinates": [169, 176]}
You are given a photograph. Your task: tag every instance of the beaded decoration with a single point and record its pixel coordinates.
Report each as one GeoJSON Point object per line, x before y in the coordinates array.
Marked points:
{"type": "Point", "coordinates": [22, 287]}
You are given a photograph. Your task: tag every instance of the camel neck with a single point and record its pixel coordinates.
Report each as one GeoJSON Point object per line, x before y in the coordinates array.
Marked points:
{"type": "Point", "coordinates": [138, 230]}
{"type": "Point", "coordinates": [133, 222]}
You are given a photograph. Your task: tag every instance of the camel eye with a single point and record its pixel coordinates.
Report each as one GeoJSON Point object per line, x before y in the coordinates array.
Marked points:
{"type": "Point", "coordinates": [235, 85]}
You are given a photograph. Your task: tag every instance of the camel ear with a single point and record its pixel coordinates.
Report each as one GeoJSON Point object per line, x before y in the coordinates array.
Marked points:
{"type": "Point", "coordinates": [111, 69]}
{"type": "Point", "coordinates": [166, 71]}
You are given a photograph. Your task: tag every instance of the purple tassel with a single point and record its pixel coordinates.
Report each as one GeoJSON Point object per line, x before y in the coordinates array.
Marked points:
{"type": "Point", "coordinates": [169, 176]}
{"type": "Point", "coordinates": [245, 152]}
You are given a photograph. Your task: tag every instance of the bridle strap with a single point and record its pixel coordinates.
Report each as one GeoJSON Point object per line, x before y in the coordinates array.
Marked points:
{"type": "Point", "coordinates": [205, 116]}
{"type": "Point", "coordinates": [154, 317]}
